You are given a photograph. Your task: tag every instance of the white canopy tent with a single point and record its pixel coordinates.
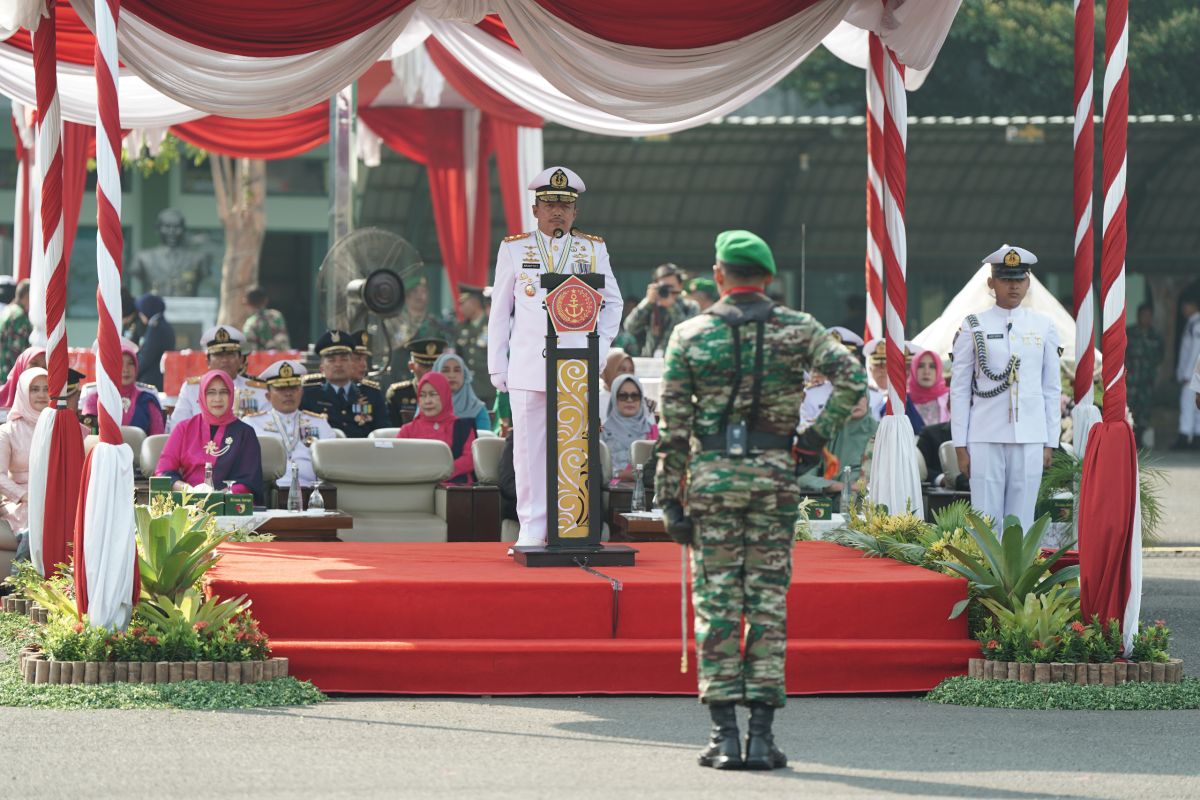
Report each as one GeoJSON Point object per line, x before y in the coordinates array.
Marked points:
{"type": "Point", "coordinates": [976, 297]}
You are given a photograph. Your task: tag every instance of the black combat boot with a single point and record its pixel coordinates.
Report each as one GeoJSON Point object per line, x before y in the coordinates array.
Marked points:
{"type": "Point", "coordinates": [761, 752]}
{"type": "Point", "coordinates": [723, 750]}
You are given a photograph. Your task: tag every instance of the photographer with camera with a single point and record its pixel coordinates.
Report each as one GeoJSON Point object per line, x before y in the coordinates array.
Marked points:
{"type": "Point", "coordinates": [651, 323]}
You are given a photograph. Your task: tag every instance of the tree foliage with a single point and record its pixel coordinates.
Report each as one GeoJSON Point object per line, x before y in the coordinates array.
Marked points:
{"type": "Point", "coordinates": [1016, 57]}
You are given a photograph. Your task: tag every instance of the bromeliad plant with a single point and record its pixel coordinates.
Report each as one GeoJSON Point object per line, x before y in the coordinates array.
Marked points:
{"type": "Point", "coordinates": [176, 547]}
{"type": "Point", "coordinates": [1011, 566]}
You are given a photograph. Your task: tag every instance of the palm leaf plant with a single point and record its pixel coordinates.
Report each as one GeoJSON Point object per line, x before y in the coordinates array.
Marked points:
{"type": "Point", "coordinates": [176, 550]}
{"type": "Point", "coordinates": [1011, 566]}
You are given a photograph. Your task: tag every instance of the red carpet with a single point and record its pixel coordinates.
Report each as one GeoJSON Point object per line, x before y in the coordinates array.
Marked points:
{"type": "Point", "coordinates": [463, 619]}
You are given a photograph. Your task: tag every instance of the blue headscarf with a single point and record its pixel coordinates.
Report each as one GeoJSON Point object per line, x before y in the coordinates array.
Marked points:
{"type": "Point", "coordinates": [467, 404]}
{"type": "Point", "coordinates": [150, 304]}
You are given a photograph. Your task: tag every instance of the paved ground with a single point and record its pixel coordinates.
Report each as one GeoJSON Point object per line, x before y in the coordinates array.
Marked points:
{"type": "Point", "coordinates": [632, 747]}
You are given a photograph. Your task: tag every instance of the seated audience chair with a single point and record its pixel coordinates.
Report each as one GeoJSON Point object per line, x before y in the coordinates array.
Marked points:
{"type": "Point", "coordinates": [8, 548]}
{"type": "Point", "coordinates": [949, 461]}
{"type": "Point", "coordinates": [152, 447]}
{"type": "Point", "coordinates": [383, 433]}
{"type": "Point", "coordinates": [274, 459]}
{"type": "Point", "coordinates": [390, 487]}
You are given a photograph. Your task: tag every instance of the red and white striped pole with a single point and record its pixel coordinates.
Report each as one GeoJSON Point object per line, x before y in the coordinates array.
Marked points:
{"type": "Point", "coordinates": [1085, 146]}
{"type": "Point", "coordinates": [895, 253]}
{"type": "Point", "coordinates": [1110, 547]}
{"type": "Point", "coordinates": [876, 232]}
{"type": "Point", "coordinates": [105, 545]}
{"type": "Point", "coordinates": [49, 159]}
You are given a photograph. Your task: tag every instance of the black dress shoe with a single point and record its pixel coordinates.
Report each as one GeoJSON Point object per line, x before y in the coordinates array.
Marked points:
{"type": "Point", "coordinates": [761, 752]}
{"type": "Point", "coordinates": [724, 749]}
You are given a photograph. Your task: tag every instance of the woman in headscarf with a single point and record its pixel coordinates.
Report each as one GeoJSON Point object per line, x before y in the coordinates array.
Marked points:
{"type": "Point", "coordinates": [436, 420]}
{"type": "Point", "coordinates": [140, 406]}
{"type": "Point", "coordinates": [927, 388]}
{"type": "Point", "coordinates": [16, 440]}
{"type": "Point", "coordinates": [158, 338]}
{"type": "Point", "coordinates": [467, 404]}
{"type": "Point", "coordinates": [627, 420]}
{"type": "Point", "coordinates": [618, 362]}
{"type": "Point", "coordinates": [214, 436]}
{"type": "Point", "coordinates": [32, 357]}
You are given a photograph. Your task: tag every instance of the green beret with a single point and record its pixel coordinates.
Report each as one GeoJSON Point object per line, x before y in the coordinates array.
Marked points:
{"type": "Point", "coordinates": [706, 285]}
{"type": "Point", "coordinates": [743, 248]}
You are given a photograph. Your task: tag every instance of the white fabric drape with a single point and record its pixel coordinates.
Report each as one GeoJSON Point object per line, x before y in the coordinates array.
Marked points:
{"type": "Point", "coordinates": [471, 166]}
{"type": "Point", "coordinates": [530, 161]}
{"type": "Point", "coordinates": [850, 43]}
{"type": "Point", "coordinates": [39, 468]}
{"type": "Point", "coordinates": [895, 475]}
{"type": "Point", "coordinates": [109, 539]}
{"type": "Point", "coordinates": [243, 86]}
{"type": "Point", "coordinates": [660, 86]}
{"type": "Point", "coordinates": [17, 14]}
{"type": "Point", "coordinates": [142, 106]}
{"type": "Point", "coordinates": [1133, 604]}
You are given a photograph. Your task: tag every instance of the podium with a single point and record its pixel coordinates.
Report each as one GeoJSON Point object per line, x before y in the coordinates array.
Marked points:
{"type": "Point", "coordinates": [574, 484]}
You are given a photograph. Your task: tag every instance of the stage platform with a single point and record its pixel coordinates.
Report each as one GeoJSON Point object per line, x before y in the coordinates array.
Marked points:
{"type": "Point", "coordinates": [461, 618]}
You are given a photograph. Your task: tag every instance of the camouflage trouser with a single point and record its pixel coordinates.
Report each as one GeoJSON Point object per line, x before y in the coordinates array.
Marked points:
{"type": "Point", "coordinates": [741, 568]}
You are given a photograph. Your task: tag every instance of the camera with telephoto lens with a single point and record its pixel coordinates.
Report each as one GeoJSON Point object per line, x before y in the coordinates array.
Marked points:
{"type": "Point", "coordinates": [665, 290]}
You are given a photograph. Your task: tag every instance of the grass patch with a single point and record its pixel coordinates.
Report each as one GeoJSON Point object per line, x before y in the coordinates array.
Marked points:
{"type": "Point", "coordinates": [963, 691]}
{"type": "Point", "coordinates": [14, 692]}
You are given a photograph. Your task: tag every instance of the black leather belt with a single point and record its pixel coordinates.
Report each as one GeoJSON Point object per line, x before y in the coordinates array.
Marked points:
{"type": "Point", "coordinates": [756, 441]}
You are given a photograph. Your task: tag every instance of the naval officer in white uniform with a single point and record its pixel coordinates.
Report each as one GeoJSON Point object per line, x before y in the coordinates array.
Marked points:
{"type": "Point", "coordinates": [284, 419]}
{"type": "Point", "coordinates": [1004, 390]}
{"type": "Point", "coordinates": [224, 347]}
{"type": "Point", "coordinates": [517, 327]}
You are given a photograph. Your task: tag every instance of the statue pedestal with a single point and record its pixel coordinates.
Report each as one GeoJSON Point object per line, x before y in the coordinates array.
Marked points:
{"type": "Point", "coordinates": [574, 490]}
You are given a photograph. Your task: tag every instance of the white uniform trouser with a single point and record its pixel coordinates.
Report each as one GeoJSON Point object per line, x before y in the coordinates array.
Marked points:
{"type": "Point", "coordinates": [529, 463]}
{"type": "Point", "coordinates": [1005, 479]}
{"type": "Point", "coordinates": [1189, 418]}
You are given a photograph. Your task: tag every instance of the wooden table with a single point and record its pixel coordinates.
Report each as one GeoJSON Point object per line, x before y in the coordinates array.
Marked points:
{"type": "Point", "coordinates": [632, 528]}
{"type": "Point", "coordinates": [306, 528]}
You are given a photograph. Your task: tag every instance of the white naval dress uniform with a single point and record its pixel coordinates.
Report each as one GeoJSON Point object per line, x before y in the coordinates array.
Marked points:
{"type": "Point", "coordinates": [815, 398]}
{"type": "Point", "coordinates": [1005, 434]}
{"type": "Point", "coordinates": [1189, 354]}
{"type": "Point", "coordinates": [248, 399]}
{"type": "Point", "coordinates": [517, 349]}
{"type": "Point", "coordinates": [297, 430]}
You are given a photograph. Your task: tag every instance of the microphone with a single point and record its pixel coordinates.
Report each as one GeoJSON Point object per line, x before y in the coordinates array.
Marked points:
{"type": "Point", "coordinates": [558, 233]}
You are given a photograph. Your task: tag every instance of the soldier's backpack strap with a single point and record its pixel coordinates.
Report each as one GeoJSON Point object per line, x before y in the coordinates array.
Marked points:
{"type": "Point", "coordinates": [735, 316]}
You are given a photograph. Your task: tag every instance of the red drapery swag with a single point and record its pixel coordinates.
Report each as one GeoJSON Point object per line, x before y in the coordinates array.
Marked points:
{"type": "Point", "coordinates": [275, 137]}
{"type": "Point", "coordinates": [1106, 521]}
{"type": "Point", "coordinates": [79, 144]}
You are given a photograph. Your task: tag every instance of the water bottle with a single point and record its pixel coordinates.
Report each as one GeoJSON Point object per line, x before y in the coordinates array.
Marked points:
{"type": "Point", "coordinates": [844, 503]}
{"type": "Point", "coordinates": [295, 496]}
{"type": "Point", "coordinates": [208, 477]}
{"type": "Point", "coordinates": [638, 502]}
{"type": "Point", "coordinates": [315, 501]}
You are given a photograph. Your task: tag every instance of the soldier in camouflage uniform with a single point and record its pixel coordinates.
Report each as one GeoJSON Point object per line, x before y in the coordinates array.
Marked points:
{"type": "Point", "coordinates": [265, 328]}
{"type": "Point", "coordinates": [470, 341]}
{"type": "Point", "coordinates": [663, 307]}
{"type": "Point", "coordinates": [741, 509]}
{"type": "Point", "coordinates": [15, 328]}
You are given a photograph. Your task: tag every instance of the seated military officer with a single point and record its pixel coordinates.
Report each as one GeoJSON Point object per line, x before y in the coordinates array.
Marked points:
{"type": "Point", "coordinates": [362, 354]}
{"type": "Point", "coordinates": [283, 418]}
{"type": "Point", "coordinates": [225, 346]}
{"type": "Point", "coordinates": [402, 395]}
{"type": "Point", "coordinates": [354, 407]}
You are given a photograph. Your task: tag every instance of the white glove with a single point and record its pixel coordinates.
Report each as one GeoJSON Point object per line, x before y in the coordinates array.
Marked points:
{"type": "Point", "coordinates": [499, 381]}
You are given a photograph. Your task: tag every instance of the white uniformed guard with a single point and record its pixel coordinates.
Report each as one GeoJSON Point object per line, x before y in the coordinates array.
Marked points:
{"type": "Point", "coordinates": [1189, 361]}
{"type": "Point", "coordinates": [1004, 390]}
{"type": "Point", "coordinates": [284, 419]}
{"type": "Point", "coordinates": [223, 344]}
{"type": "Point", "coordinates": [818, 389]}
{"type": "Point", "coordinates": [517, 327]}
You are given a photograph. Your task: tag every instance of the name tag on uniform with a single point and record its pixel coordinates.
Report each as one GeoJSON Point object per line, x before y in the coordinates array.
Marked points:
{"type": "Point", "coordinates": [531, 265]}
{"type": "Point", "coordinates": [995, 335]}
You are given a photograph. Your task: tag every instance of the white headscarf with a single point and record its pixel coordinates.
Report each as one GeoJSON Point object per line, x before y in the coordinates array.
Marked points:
{"type": "Point", "coordinates": [620, 432]}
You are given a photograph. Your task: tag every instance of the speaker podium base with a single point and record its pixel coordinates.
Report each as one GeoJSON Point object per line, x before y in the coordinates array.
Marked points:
{"type": "Point", "coordinates": [609, 555]}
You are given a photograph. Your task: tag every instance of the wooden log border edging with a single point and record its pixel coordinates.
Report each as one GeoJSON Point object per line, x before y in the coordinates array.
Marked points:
{"type": "Point", "coordinates": [36, 668]}
{"type": "Point", "coordinates": [20, 605]}
{"type": "Point", "coordinates": [1082, 674]}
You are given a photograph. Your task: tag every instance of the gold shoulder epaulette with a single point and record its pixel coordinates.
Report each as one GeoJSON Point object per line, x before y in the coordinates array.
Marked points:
{"type": "Point", "coordinates": [255, 414]}
{"type": "Point", "coordinates": [590, 236]}
{"type": "Point", "coordinates": [317, 414]}
{"type": "Point", "coordinates": [370, 384]}
{"type": "Point", "coordinates": [313, 377]}
{"type": "Point", "coordinates": [149, 387]}
{"type": "Point", "coordinates": [255, 383]}
{"type": "Point", "coordinates": [516, 237]}
{"type": "Point", "coordinates": [195, 379]}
